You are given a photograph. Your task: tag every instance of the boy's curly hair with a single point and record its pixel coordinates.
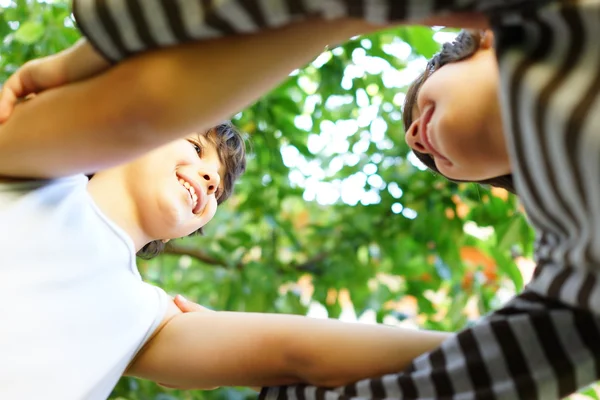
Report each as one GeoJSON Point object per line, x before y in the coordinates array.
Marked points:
{"type": "Point", "coordinates": [231, 149]}
{"type": "Point", "coordinates": [464, 46]}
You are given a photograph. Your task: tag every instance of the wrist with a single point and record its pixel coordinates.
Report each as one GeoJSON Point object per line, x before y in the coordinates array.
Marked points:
{"type": "Point", "coordinates": [82, 61]}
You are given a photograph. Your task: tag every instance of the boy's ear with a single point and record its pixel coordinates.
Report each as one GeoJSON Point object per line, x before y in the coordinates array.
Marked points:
{"type": "Point", "coordinates": [487, 39]}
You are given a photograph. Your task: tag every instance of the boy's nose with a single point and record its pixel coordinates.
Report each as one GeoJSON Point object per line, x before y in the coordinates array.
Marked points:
{"type": "Point", "coordinates": [413, 138]}
{"type": "Point", "coordinates": [211, 180]}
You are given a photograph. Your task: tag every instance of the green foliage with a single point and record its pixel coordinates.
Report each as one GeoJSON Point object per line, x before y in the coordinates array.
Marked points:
{"type": "Point", "coordinates": [408, 242]}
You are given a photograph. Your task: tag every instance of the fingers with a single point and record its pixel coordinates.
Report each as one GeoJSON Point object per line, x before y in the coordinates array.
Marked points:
{"type": "Point", "coordinates": [21, 84]}
{"type": "Point", "coordinates": [10, 94]}
{"type": "Point", "coordinates": [33, 77]}
{"type": "Point", "coordinates": [187, 306]}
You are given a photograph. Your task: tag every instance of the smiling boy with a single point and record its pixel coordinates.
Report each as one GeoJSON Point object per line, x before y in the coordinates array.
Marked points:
{"type": "Point", "coordinates": [146, 193]}
{"type": "Point", "coordinates": [74, 306]}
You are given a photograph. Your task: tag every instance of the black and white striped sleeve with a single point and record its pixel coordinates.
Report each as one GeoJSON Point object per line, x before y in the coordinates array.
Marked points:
{"type": "Point", "coordinates": [534, 348]}
{"type": "Point", "coordinates": [545, 343]}
{"type": "Point", "coordinates": [121, 28]}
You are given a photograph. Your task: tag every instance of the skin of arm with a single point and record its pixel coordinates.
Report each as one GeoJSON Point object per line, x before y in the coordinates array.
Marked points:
{"type": "Point", "coordinates": [300, 42]}
{"type": "Point", "coordinates": [76, 63]}
{"type": "Point", "coordinates": [152, 99]}
{"type": "Point", "coordinates": [265, 60]}
{"type": "Point", "coordinates": [200, 350]}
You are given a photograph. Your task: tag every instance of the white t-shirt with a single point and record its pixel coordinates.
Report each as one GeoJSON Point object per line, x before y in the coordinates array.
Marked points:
{"type": "Point", "coordinates": [74, 310]}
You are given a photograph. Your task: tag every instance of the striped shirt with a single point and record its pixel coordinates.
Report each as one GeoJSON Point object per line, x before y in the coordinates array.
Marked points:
{"type": "Point", "coordinates": [545, 343]}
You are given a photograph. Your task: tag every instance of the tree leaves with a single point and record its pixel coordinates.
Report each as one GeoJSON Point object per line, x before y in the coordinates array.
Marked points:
{"type": "Point", "coordinates": [29, 32]}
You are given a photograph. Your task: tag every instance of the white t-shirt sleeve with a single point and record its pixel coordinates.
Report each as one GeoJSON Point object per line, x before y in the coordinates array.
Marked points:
{"type": "Point", "coordinates": [163, 300]}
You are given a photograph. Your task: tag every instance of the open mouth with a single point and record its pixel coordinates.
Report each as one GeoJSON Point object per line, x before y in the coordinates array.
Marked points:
{"type": "Point", "coordinates": [192, 191]}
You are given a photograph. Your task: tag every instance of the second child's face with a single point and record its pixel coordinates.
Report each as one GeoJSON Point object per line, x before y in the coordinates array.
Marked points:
{"type": "Point", "coordinates": [176, 187]}
{"type": "Point", "coordinates": [457, 119]}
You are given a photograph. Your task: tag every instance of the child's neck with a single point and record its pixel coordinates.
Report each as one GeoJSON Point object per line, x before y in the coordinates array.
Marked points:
{"type": "Point", "coordinates": [109, 192]}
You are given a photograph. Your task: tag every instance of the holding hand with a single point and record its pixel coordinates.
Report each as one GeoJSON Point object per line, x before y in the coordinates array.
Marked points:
{"type": "Point", "coordinates": [187, 306]}
{"type": "Point", "coordinates": [33, 77]}
{"type": "Point", "coordinates": [76, 63]}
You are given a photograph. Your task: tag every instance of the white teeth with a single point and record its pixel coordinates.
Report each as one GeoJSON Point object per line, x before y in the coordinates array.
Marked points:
{"type": "Point", "coordinates": [191, 191]}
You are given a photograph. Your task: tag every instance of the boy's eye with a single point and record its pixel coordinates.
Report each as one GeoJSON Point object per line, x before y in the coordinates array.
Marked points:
{"type": "Point", "coordinates": [198, 148]}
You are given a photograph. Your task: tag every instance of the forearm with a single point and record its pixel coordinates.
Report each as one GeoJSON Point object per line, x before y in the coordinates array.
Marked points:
{"type": "Point", "coordinates": [329, 353]}
{"type": "Point", "coordinates": [152, 99]}
{"type": "Point", "coordinates": [202, 83]}
{"type": "Point", "coordinates": [198, 350]}
{"type": "Point", "coordinates": [82, 61]}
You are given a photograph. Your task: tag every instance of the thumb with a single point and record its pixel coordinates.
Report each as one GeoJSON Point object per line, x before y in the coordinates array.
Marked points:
{"type": "Point", "coordinates": [187, 306]}
{"type": "Point", "coordinates": [7, 101]}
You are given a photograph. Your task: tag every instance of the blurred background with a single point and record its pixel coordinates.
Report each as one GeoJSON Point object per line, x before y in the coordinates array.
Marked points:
{"type": "Point", "coordinates": [335, 217]}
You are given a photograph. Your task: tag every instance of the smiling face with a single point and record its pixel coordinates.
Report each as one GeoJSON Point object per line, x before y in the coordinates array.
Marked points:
{"type": "Point", "coordinates": [456, 119]}
{"type": "Point", "coordinates": [172, 191]}
{"type": "Point", "coordinates": [175, 188]}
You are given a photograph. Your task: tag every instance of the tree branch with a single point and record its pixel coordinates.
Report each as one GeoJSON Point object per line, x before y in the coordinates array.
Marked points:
{"type": "Point", "coordinates": [194, 253]}
{"type": "Point", "coordinates": [310, 265]}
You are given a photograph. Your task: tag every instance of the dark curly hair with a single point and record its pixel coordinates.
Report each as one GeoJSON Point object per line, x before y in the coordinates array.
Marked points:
{"type": "Point", "coordinates": [231, 149]}
{"type": "Point", "coordinates": [464, 46]}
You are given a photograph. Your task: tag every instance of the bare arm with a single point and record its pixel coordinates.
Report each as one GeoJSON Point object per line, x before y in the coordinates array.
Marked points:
{"type": "Point", "coordinates": [153, 99]}
{"type": "Point", "coordinates": [84, 61]}
{"type": "Point", "coordinates": [204, 350]}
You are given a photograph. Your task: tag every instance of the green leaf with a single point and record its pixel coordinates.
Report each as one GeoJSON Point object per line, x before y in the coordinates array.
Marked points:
{"type": "Point", "coordinates": [29, 32]}
{"type": "Point", "coordinates": [591, 392]}
{"type": "Point", "coordinates": [509, 234]}
{"type": "Point", "coordinates": [508, 267]}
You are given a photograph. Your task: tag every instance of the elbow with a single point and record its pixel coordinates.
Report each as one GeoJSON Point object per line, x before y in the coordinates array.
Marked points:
{"type": "Point", "coordinates": [155, 94]}
{"type": "Point", "coordinates": [123, 110]}
{"type": "Point", "coordinates": [146, 99]}
{"type": "Point", "coordinates": [139, 108]}
{"type": "Point", "coordinates": [308, 367]}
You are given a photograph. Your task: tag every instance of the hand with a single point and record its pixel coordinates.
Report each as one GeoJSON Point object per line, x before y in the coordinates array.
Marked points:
{"type": "Point", "coordinates": [187, 306]}
{"type": "Point", "coordinates": [33, 77]}
{"type": "Point", "coordinates": [81, 61]}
